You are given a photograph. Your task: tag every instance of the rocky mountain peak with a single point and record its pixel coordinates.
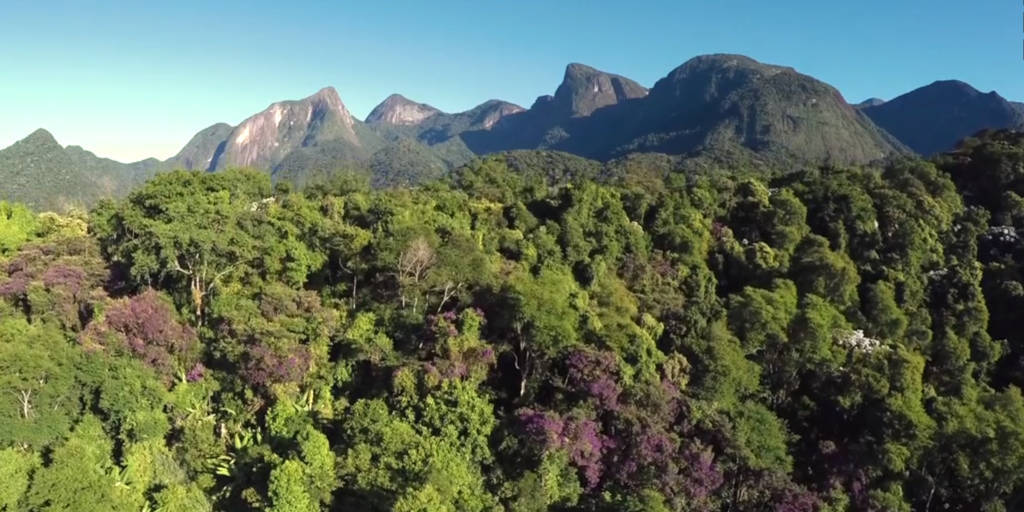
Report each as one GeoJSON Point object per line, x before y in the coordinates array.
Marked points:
{"type": "Point", "coordinates": [870, 102]}
{"type": "Point", "coordinates": [263, 139]}
{"type": "Point", "coordinates": [488, 113]}
{"type": "Point", "coordinates": [585, 89]}
{"type": "Point", "coordinates": [399, 110]}
{"type": "Point", "coordinates": [40, 137]}
{"type": "Point", "coordinates": [326, 101]}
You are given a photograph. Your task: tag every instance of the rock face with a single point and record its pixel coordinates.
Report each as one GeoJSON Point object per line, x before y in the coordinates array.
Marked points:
{"type": "Point", "coordinates": [200, 152]}
{"type": "Point", "coordinates": [488, 114]}
{"type": "Point", "coordinates": [264, 139]}
{"type": "Point", "coordinates": [935, 117]}
{"type": "Point", "coordinates": [585, 89]}
{"type": "Point", "coordinates": [399, 110]}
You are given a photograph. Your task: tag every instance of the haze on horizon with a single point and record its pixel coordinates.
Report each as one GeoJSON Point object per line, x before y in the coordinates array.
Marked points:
{"type": "Point", "coordinates": [128, 81]}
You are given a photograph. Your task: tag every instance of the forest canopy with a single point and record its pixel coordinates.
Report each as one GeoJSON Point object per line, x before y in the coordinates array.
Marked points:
{"type": "Point", "coordinates": [531, 333]}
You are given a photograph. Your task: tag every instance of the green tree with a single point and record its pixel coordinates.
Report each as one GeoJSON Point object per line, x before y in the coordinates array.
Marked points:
{"type": "Point", "coordinates": [191, 230]}
{"type": "Point", "coordinates": [82, 476]}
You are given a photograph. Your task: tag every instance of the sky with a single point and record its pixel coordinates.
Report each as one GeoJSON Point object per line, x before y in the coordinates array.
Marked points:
{"type": "Point", "coordinates": [128, 80]}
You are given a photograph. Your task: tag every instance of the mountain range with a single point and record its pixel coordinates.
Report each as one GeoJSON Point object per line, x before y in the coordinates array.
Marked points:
{"type": "Point", "coordinates": [727, 109]}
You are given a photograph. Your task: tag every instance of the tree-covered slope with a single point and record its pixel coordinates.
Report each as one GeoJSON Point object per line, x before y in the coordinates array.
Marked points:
{"type": "Point", "coordinates": [41, 173]}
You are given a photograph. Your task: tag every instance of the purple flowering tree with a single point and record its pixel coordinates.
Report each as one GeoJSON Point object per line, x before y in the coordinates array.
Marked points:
{"type": "Point", "coordinates": [266, 365]}
{"type": "Point", "coordinates": [58, 281]}
{"type": "Point", "coordinates": [147, 327]}
{"type": "Point", "coordinates": [595, 375]}
{"type": "Point", "coordinates": [455, 348]}
{"type": "Point", "coordinates": [579, 436]}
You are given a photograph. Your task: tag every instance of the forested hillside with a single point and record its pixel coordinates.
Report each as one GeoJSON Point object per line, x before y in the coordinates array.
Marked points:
{"type": "Point", "coordinates": [535, 332]}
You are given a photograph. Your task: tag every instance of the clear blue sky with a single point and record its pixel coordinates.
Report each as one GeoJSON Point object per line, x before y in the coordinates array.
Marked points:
{"type": "Point", "coordinates": [128, 81]}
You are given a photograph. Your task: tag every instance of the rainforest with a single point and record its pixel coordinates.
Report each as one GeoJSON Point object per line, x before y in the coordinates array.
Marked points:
{"type": "Point", "coordinates": [535, 331]}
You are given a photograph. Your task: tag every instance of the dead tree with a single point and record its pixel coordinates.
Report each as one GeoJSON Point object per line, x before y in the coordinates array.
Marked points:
{"type": "Point", "coordinates": [412, 267]}
{"type": "Point", "coordinates": [202, 280]}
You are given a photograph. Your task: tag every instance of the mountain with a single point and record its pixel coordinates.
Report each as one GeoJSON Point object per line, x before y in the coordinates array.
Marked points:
{"type": "Point", "coordinates": [935, 117]}
{"type": "Point", "coordinates": [267, 138]}
{"type": "Point", "coordinates": [442, 127]}
{"type": "Point", "coordinates": [585, 89]}
{"type": "Point", "coordinates": [399, 110]}
{"type": "Point", "coordinates": [732, 101]}
{"type": "Point", "coordinates": [713, 108]}
{"type": "Point", "coordinates": [870, 102]}
{"type": "Point", "coordinates": [41, 173]}
{"type": "Point", "coordinates": [726, 104]}
{"type": "Point", "coordinates": [1018, 106]}
{"type": "Point", "coordinates": [199, 153]}
{"type": "Point", "coordinates": [304, 139]}
{"type": "Point", "coordinates": [398, 118]}
{"type": "Point", "coordinates": [292, 140]}
{"type": "Point", "coordinates": [405, 162]}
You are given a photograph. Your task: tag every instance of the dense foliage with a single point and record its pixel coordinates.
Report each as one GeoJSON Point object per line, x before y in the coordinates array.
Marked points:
{"type": "Point", "coordinates": [525, 335]}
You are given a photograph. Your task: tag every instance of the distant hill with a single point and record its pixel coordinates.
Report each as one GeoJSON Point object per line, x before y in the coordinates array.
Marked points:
{"type": "Point", "coordinates": [399, 110]}
{"type": "Point", "coordinates": [935, 117]}
{"type": "Point", "coordinates": [41, 173]}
